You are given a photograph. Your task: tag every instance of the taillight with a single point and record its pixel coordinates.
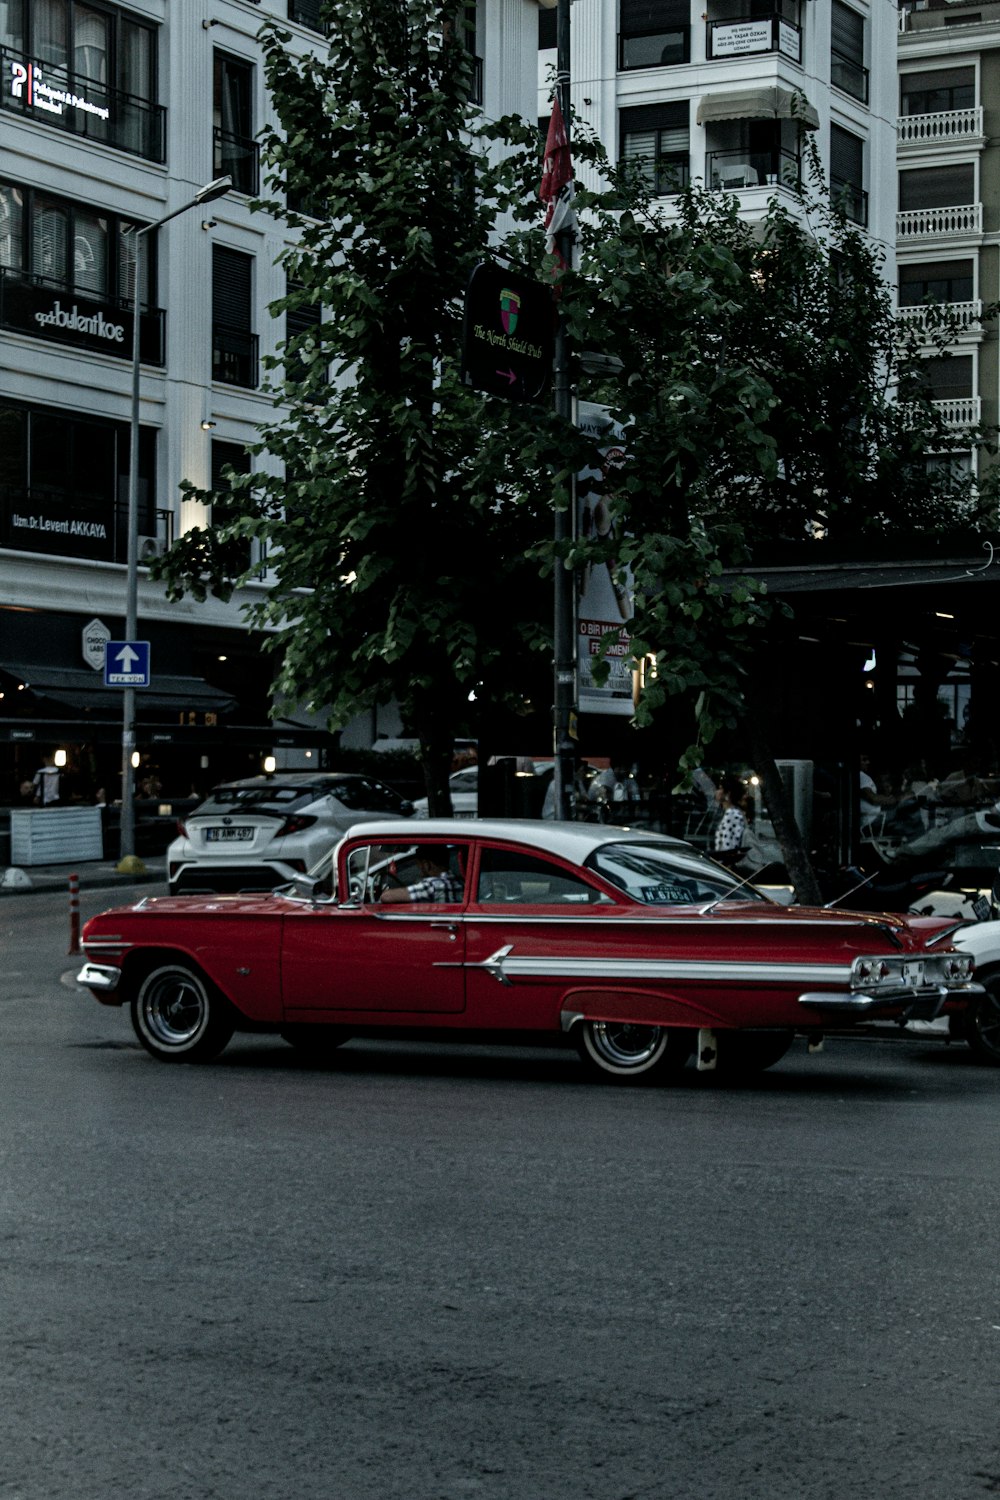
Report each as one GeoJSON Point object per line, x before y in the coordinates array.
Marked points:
{"type": "Point", "coordinates": [294, 825]}
{"type": "Point", "coordinates": [181, 828]}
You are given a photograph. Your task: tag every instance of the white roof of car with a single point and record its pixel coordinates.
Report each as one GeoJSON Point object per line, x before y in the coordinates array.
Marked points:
{"type": "Point", "coordinates": [573, 841]}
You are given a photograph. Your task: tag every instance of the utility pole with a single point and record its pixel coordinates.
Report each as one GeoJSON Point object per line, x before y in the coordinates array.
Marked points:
{"type": "Point", "coordinates": [564, 601]}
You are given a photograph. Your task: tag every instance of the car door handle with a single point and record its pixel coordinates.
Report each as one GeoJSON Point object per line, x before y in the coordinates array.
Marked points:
{"type": "Point", "coordinates": [451, 928]}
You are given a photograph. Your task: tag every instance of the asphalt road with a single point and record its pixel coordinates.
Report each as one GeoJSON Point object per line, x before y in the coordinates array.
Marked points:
{"type": "Point", "coordinates": [420, 1273]}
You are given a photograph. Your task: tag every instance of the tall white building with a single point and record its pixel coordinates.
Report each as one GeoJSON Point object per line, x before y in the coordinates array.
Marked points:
{"type": "Point", "coordinates": [723, 94]}
{"type": "Point", "coordinates": [114, 115]}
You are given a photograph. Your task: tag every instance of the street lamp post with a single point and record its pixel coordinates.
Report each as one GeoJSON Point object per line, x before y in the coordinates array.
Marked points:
{"type": "Point", "coordinates": [215, 189]}
{"type": "Point", "coordinates": [564, 640]}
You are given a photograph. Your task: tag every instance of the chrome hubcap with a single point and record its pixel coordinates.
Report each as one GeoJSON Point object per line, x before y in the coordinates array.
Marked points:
{"type": "Point", "coordinates": [173, 1009]}
{"type": "Point", "coordinates": [625, 1045]}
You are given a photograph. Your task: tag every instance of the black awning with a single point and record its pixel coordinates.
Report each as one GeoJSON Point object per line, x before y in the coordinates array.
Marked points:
{"type": "Point", "coordinates": [83, 689]}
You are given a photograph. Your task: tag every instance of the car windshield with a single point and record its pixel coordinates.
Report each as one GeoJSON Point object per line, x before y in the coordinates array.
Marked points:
{"type": "Point", "coordinates": [662, 875]}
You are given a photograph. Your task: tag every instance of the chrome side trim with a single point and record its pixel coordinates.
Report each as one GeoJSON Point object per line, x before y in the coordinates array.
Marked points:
{"type": "Point", "coordinates": [99, 977]}
{"type": "Point", "coordinates": [115, 943]}
{"type": "Point", "coordinates": [505, 968]}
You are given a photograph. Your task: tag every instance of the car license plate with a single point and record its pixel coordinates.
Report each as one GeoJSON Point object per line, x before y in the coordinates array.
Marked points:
{"type": "Point", "coordinates": [228, 835]}
{"type": "Point", "coordinates": [913, 971]}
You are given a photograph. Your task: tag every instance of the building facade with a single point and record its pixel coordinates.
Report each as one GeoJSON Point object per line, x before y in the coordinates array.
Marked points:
{"type": "Point", "coordinates": [948, 223]}
{"type": "Point", "coordinates": [113, 116]}
{"type": "Point", "coordinates": [724, 95]}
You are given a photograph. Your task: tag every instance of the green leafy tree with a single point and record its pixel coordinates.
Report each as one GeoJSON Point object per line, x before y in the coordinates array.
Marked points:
{"type": "Point", "coordinates": [388, 499]}
{"type": "Point", "coordinates": [771, 398]}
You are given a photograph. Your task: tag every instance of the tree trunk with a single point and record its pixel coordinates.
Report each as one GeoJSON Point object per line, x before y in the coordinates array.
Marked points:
{"type": "Point", "coordinates": [435, 760]}
{"type": "Point", "coordinates": [786, 830]}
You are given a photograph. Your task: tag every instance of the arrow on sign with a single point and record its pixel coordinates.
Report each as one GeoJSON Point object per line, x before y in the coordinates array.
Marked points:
{"type": "Point", "coordinates": [507, 375]}
{"type": "Point", "coordinates": [128, 658]}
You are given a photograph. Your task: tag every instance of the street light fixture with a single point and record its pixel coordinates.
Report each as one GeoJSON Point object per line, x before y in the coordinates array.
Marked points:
{"type": "Point", "coordinates": [217, 188]}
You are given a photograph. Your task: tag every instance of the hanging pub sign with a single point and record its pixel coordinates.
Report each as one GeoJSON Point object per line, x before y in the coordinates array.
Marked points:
{"type": "Point", "coordinates": [508, 334]}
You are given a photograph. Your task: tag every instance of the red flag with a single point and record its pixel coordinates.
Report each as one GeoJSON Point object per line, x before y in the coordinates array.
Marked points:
{"type": "Point", "coordinates": [557, 183]}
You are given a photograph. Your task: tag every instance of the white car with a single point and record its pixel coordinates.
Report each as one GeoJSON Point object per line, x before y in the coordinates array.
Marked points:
{"type": "Point", "coordinates": [255, 834]}
{"type": "Point", "coordinates": [980, 1025]}
{"type": "Point", "coordinates": [464, 785]}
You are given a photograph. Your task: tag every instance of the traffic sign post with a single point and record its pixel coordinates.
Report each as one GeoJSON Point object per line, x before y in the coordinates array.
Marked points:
{"type": "Point", "coordinates": [126, 664]}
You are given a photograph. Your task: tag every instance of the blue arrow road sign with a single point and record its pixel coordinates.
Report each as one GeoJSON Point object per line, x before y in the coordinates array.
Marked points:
{"type": "Point", "coordinates": [126, 664]}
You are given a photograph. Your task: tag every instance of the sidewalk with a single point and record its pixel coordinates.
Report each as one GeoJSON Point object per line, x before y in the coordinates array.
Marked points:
{"type": "Point", "coordinates": [95, 874]}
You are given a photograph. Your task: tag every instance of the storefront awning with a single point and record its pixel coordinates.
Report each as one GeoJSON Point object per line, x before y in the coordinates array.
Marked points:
{"type": "Point", "coordinates": [758, 104]}
{"type": "Point", "coordinates": [83, 689]}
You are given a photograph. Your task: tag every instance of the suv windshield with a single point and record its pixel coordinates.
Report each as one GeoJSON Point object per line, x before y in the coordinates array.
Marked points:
{"type": "Point", "coordinates": [658, 875]}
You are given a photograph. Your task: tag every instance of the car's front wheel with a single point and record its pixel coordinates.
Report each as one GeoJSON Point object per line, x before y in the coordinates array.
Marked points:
{"type": "Point", "coordinates": [981, 1022]}
{"type": "Point", "coordinates": [628, 1053]}
{"type": "Point", "coordinates": [179, 1017]}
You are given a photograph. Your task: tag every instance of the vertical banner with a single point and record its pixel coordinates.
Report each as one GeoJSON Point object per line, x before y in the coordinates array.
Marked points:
{"type": "Point", "coordinates": [605, 600]}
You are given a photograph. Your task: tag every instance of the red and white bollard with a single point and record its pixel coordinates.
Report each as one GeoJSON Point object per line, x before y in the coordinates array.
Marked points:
{"type": "Point", "coordinates": [74, 915]}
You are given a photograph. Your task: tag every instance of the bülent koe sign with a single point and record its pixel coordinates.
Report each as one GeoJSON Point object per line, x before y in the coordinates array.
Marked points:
{"type": "Point", "coordinates": [508, 334]}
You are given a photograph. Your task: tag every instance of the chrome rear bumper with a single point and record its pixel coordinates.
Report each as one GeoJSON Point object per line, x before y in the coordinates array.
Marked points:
{"type": "Point", "coordinates": [923, 1004]}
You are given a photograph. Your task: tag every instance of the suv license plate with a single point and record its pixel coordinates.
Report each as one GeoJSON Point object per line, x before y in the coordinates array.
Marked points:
{"type": "Point", "coordinates": [913, 972]}
{"type": "Point", "coordinates": [228, 835]}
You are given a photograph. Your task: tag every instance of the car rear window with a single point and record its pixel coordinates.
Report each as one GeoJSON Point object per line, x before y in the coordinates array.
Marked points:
{"type": "Point", "coordinates": [273, 798]}
{"type": "Point", "coordinates": [659, 876]}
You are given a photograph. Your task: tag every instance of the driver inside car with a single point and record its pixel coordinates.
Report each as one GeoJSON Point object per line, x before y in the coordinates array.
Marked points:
{"type": "Point", "coordinates": [436, 882]}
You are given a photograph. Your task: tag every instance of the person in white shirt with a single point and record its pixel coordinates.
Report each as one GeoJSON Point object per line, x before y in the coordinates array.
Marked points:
{"type": "Point", "coordinates": [731, 830]}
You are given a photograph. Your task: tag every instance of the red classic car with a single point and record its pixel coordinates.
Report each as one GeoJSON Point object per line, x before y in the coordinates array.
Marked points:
{"type": "Point", "coordinates": [631, 945]}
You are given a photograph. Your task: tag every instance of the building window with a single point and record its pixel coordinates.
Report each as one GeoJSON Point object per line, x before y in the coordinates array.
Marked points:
{"type": "Point", "coordinates": [938, 91]}
{"type": "Point", "coordinates": [229, 456]}
{"type": "Point", "coordinates": [64, 484]}
{"type": "Point", "coordinates": [948, 377]}
{"type": "Point", "coordinates": [235, 152]}
{"type": "Point", "coordinates": [234, 344]}
{"type": "Point", "coordinates": [657, 139]}
{"type": "Point", "coordinates": [307, 13]}
{"type": "Point", "coordinates": [299, 320]}
{"type": "Point", "coordinates": [67, 273]}
{"type": "Point", "coordinates": [85, 69]}
{"type": "Point", "coordinates": [654, 33]}
{"type": "Point", "coordinates": [546, 28]}
{"type": "Point", "coordinates": [939, 281]}
{"type": "Point", "coordinates": [847, 51]}
{"type": "Point", "coordinates": [847, 154]}
{"type": "Point", "coordinates": [937, 187]}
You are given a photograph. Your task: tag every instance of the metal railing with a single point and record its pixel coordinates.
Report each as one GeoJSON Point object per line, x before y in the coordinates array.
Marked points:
{"type": "Point", "coordinates": [239, 157]}
{"type": "Point", "coordinates": [83, 106]}
{"type": "Point", "coordinates": [33, 305]}
{"type": "Point", "coordinates": [848, 75]}
{"type": "Point", "coordinates": [850, 199]}
{"type": "Point", "coordinates": [234, 356]}
{"type": "Point", "coordinates": [731, 170]}
{"type": "Point", "coordinates": [945, 125]}
{"type": "Point", "coordinates": [77, 524]}
{"type": "Point", "coordinates": [939, 223]}
{"type": "Point", "coordinates": [746, 36]}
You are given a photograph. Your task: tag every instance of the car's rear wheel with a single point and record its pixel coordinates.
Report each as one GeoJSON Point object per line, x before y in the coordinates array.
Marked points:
{"type": "Point", "coordinates": [628, 1053]}
{"type": "Point", "coordinates": [981, 1027]}
{"type": "Point", "coordinates": [743, 1053]}
{"type": "Point", "coordinates": [179, 1017]}
{"type": "Point", "coordinates": [315, 1040]}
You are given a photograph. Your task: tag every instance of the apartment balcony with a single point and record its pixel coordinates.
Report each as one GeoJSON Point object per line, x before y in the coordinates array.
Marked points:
{"type": "Point", "coordinates": [964, 317]}
{"type": "Point", "coordinates": [731, 170]}
{"type": "Point", "coordinates": [946, 127]}
{"type": "Point", "coordinates": [748, 36]}
{"type": "Point", "coordinates": [84, 106]}
{"type": "Point", "coordinates": [957, 220]}
{"type": "Point", "coordinates": [961, 411]}
{"type": "Point", "coordinates": [238, 157]}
